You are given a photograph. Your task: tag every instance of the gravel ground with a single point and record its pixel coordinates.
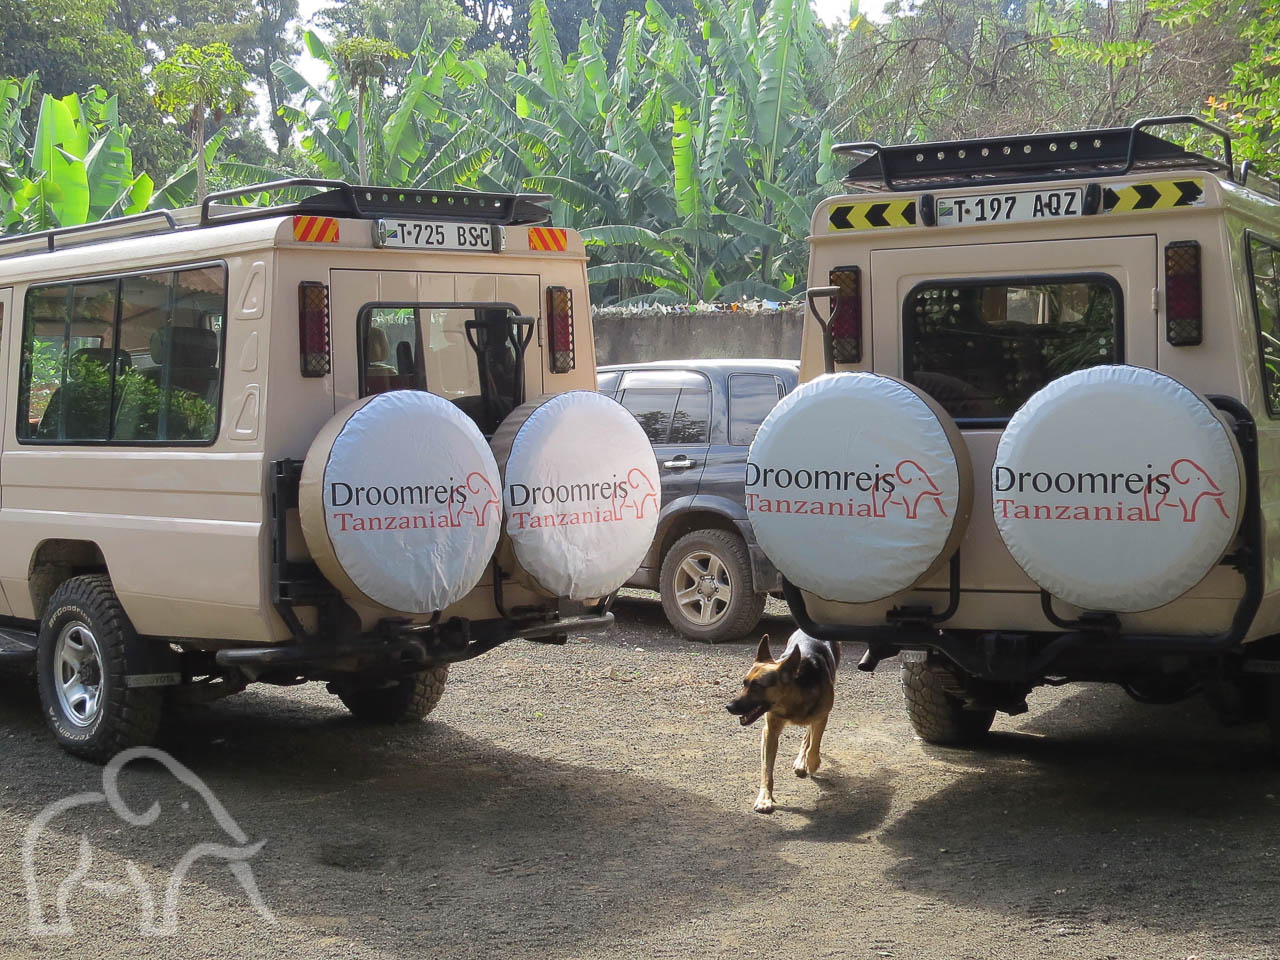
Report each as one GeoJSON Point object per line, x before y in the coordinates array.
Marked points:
{"type": "Point", "coordinates": [595, 801]}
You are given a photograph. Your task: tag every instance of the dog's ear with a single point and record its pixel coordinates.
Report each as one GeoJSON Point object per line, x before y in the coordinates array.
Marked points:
{"type": "Point", "coordinates": [792, 664]}
{"type": "Point", "coordinates": [763, 653]}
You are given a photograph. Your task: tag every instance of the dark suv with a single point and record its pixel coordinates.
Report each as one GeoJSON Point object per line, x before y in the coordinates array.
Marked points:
{"type": "Point", "coordinates": [701, 416]}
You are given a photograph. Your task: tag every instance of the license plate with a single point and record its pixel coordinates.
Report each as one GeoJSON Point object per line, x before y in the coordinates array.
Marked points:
{"type": "Point", "coordinates": [437, 235]}
{"type": "Point", "coordinates": [1013, 207]}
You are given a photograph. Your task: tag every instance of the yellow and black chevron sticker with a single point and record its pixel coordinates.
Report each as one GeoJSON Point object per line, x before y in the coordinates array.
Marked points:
{"type": "Point", "coordinates": [871, 214]}
{"type": "Point", "coordinates": [1157, 195]}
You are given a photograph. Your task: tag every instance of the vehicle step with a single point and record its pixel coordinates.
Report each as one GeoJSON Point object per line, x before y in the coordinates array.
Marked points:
{"type": "Point", "coordinates": [17, 647]}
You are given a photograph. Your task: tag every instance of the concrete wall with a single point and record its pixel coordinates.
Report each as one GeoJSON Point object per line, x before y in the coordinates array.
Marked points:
{"type": "Point", "coordinates": [634, 335]}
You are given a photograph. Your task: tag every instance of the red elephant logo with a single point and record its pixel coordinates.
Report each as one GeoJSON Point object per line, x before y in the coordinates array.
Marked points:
{"type": "Point", "coordinates": [1192, 484]}
{"type": "Point", "coordinates": [641, 493]}
{"type": "Point", "coordinates": [480, 498]}
{"type": "Point", "coordinates": [915, 486]}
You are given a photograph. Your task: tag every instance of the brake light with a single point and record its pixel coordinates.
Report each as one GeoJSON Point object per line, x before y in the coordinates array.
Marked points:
{"type": "Point", "coordinates": [560, 329]}
{"type": "Point", "coordinates": [1183, 304]}
{"type": "Point", "coordinates": [846, 315]}
{"type": "Point", "coordinates": [313, 328]}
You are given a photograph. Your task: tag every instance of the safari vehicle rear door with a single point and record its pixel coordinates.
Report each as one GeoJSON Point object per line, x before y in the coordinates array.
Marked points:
{"type": "Point", "coordinates": [981, 327]}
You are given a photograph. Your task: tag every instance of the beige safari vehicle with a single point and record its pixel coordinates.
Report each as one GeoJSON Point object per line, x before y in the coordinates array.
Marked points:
{"type": "Point", "coordinates": [273, 444]}
{"type": "Point", "coordinates": [1036, 439]}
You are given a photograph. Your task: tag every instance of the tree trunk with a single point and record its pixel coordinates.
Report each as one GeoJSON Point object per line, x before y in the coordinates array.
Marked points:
{"type": "Point", "coordinates": [202, 184]}
{"type": "Point", "coordinates": [362, 150]}
{"type": "Point", "coordinates": [279, 125]}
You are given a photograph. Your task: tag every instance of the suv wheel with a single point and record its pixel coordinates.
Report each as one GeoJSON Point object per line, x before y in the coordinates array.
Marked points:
{"type": "Point", "coordinates": [707, 588]}
{"type": "Point", "coordinates": [81, 672]}
{"type": "Point", "coordinates": [936, 711]}
{"type": "Point", "coordinates": [406, 700]}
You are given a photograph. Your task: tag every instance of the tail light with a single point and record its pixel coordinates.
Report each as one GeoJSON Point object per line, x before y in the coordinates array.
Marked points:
{"type": "Point", "coordinates": [846, 315]}
{"type": "Point", "coordinates": [1184, 308]}
{"type": "Point", "coordinates": [560, 329]}
{"type": "Point", "coordinates": [313, 328]}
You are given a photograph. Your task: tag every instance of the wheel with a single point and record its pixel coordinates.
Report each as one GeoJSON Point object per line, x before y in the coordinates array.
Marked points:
{"type": "Point", "coordinates": [1273, 714]}
{"type": "Point", "coordinates": [405, 700]}
{"type": "Point", "coordinates": [707, 589]}
{"type": "Point", "coordinates": [936, 713]}
{"type": "Point", "coordinates": [80, 670]}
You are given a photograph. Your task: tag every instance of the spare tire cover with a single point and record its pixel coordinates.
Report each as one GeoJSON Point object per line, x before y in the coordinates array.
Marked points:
{"type": "Point", "coordinates": [399, 502]}
{"type": "Point", "coordinates": [858, 486]}
{"type": "Point", "coordinates": [581, 491]}
{"type": "Point", "coordinates": [1117, 488]}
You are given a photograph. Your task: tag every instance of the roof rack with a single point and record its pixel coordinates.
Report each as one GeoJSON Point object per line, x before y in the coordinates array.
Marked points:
{"type": "Point", "coordinates": [117, 227]}
{"type": "Point", "coordinates": [1034, 157]}
{"type": "Point", "coordinates": [341, 199]}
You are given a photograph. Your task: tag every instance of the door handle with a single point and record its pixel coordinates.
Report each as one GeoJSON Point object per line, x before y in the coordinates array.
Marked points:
{"type": "Point", "coordinates": [684, 463]}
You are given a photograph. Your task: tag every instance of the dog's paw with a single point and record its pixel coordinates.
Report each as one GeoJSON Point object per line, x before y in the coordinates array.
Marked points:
{"type": "Point", "coordinates": [812, 765]}
{"type": "Point", "coordinates": [799, 767]}
{"type": "Point", "coordinates": [764, 803]}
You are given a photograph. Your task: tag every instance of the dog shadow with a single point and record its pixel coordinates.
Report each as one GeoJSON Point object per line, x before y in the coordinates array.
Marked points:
{"type": "Point", "coordinates": [848, 807]}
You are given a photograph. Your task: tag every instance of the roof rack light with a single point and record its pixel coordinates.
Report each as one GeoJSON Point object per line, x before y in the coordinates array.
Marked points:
{"type": "Point", "coordinates": [1034, 157]}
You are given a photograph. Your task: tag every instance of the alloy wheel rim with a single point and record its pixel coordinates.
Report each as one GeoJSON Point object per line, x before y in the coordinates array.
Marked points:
{"type": "Point", "coordinates": [704, 590]}
{"type": "Point", "coordinates": [77, 674]}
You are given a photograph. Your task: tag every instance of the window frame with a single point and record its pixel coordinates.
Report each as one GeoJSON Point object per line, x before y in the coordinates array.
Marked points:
{"type": "Point", "coordinates": [1250, 236]}
{"type": "Point", "coordinates": [24, 384]}
{"type": "Point", "coordinates": [778, 384]}
{"type": "Point", "coordinates": [1022, 280]}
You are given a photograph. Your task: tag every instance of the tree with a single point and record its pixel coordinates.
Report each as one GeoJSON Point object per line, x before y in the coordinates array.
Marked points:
{"type": "Point", "coordinates": [199, 84]}
{"type": "Point", "coordinates": [401, 22]}
{"type": "Point", "coordinates": [364, 60]}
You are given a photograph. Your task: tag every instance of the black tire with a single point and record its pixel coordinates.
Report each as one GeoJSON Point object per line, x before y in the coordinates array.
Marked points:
{"type": "Point", "coordinates": [84, 614]}
{"type": "Point", "coordinates": [936, 713]}
{"type": "Point", "coordinates": [1273, 714]}
{"type": "Point", "coordinates": [406, 700]}
{"type": "Point", "coordinates": [735, 617]}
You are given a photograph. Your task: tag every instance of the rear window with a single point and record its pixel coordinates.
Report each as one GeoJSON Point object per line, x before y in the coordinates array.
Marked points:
{"type": "Point", "coordinates": [981, 349]}
{"type": "Point", "coordinates": [751, 397]}
{"type": "Point", "coordinates": [1264, 271]}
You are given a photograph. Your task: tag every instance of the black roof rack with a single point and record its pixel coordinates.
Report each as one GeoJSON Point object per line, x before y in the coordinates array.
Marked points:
{"type": "Point", "coordinates": [341, 199]}
{"type": "Point", "coordinates": [1034, 157]}
{"type": "Point", "coordinates": [51, 237]}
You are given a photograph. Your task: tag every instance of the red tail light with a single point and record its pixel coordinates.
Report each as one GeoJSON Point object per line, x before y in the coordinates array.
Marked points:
{"type": "Point", "coordinates": [1183, 303]}
{"type": "Point", "coordinates": [560, 329]}
{"type": "Point", "coordinates": [846, 315]}
{"type": "Point", "coordinates": [313, 328]}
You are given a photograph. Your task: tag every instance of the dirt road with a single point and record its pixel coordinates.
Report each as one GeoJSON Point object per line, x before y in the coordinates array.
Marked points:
{"type": "Point", "coordinates": [595, 801]}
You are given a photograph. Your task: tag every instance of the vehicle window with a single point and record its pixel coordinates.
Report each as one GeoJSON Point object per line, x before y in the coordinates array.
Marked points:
{"type": "Point", "coordinates": [607, 382]}
{"type": "Point", "coordinates": [692, 420]}
{"type": "Point", "coordinates": [982, 349]}
{"type": "Point", "coordinates": [751, 397]}
{"type": "Point", "coordinates": [653, 408]}
{"type": "Point", "coordinates": [471, 356]}
{"type": "Point", "coordinates": [134, 359]}
{"type": "Point", "coordinates": [1264, 270]}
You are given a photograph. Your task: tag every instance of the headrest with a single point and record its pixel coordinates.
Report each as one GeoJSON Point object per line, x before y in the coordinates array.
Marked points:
{"type": "Point", "coordinates": [184, 347]}
{"type": "Point", "coordinates": [103, 356]}
{"type": "Point", "coordinates": [376, 349]}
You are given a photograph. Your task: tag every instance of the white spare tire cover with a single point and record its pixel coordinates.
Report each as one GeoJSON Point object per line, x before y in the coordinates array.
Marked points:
{"type": "Point", "coordinates": [858, 486]}
{"type": "Point", "coordinates": [581, 491]}
{"type": "Point", "coordinates": [399, 502]}
{"type": "Point", "coordinates": [1117, 488]}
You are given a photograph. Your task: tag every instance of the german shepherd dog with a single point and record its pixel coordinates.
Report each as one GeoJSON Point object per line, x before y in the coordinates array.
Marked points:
{"type": "Point", "coordinates": [799, 689]}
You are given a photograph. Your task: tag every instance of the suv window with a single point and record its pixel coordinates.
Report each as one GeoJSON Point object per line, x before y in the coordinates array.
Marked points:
{"type": "Point", "coordinates": [673, 406]}
{"type": "Point", "coordinates": [981, 349]}
{"type": "Point", "coordinates": [1264, 274]}
{"type": "Point", "coordinates": [134, 359]}
{"type": "Point", "coordinates": [430, 347]}
{"type": "Point", "coordinates": [751, 397]}
{"type": "Point", "coordinates": [607, 382]}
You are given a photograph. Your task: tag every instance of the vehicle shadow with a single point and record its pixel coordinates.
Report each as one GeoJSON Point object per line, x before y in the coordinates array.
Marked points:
{"type": "Point", "coordinates": [418, 836]}
{"type": "Point", "coordinates": [646, 610]}
{"type": "Point", "coordinates": [1103, 809]}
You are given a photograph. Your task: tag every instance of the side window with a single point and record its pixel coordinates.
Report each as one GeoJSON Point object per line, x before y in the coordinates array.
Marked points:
{"type": "Point", "coordinates": [751, 397]}
{"type": "Point", "coordinates": [654, 408]}
{"type": "Point", "coordinates": [1264, 259]}
{"type": "Point", "coordinates": [982, 349]}
{"type": "Point", "coordinates": [692, 421]}
{"type": "Point", "coordinates": [607, 382]}
{"type": "Point", "coordinates": [132, 360]}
